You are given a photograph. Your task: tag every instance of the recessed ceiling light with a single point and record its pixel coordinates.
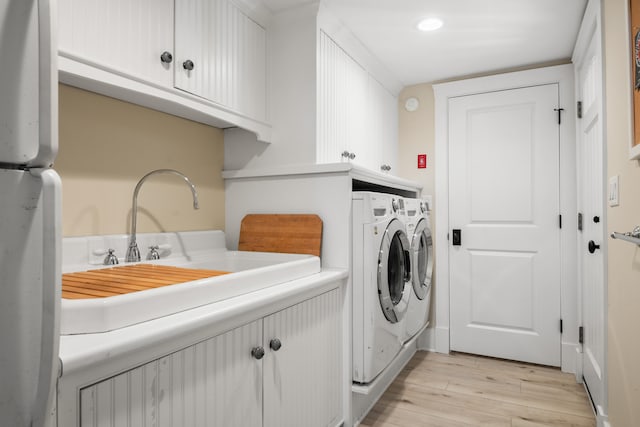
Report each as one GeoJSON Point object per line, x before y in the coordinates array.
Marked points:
{"type": "Point", "coordinates": [429, 24]}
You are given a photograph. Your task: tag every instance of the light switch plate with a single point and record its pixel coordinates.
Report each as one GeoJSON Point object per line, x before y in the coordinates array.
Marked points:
{"type": "Point", "coordinates": [614, 191]}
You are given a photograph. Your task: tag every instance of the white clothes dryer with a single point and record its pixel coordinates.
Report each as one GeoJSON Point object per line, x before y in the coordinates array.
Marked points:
{"type": "Point", "coordinates": [420, 237]}
{"type": "Point", "coordinates": [381, 280]}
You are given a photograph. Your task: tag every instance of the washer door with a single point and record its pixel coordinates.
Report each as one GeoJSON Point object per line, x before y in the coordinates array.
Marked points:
{"type": "Point", "coordinates": [422, 259]}
{"type": "Point", "coordinates": [394, 271]}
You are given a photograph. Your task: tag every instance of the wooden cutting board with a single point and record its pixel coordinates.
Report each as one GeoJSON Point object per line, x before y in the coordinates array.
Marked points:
{"type": "Point", "coordinates": [283, 233]}
{"type": "Point", "coordinates": [113, 281]}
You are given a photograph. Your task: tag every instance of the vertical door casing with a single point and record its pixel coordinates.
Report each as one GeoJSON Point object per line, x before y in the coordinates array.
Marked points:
{"type": "Point", "coordinates": [591, 203]}
{"type": "Point", "coordinates": [127, 36]}
{"type": "Point", "coordinates": [302, 384]}
{"type": "Point", "coordinates": [228, 50]}
{"type": "Point", "coordinates": [214, 383]}
{"type": "Point", "coordinates": [504, 187]}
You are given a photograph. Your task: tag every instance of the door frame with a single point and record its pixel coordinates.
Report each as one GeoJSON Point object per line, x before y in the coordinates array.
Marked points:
{"type": "Point", "coordinates": [591, 27]}
{"type": "Point", "coordinates": [563, 76]}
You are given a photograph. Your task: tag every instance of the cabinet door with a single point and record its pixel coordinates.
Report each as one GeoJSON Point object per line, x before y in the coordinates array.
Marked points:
{"type": "Point", "coordinates": [227, 50]}
{"type": "Point", "coordinates": [214, 383]}
{"type": "Point", "coordinates": [127, 36]}
{"type": "Point", "coordinates": [382, 127]}
{"type": "Point", "coordinates": [302, 378]}
{"type": "Point", "coordinates": [342, 104]}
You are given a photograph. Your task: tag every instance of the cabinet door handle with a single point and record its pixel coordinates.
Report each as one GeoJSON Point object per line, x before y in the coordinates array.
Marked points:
{"type": "Point", "coordinates": [188, 65]}
{"type": "Point", "coordinates": [166, 57]}
{"type": "Point", "coordinates": [275, 344]}
{"type": "Point", "coordinates": [257, 352]}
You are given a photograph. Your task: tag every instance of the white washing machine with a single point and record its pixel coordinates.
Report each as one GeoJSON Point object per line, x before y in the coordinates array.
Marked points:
{"type": "Point", "coordinates": [381, 280]}
{"type": "Point", "coordinates": [420, 238]}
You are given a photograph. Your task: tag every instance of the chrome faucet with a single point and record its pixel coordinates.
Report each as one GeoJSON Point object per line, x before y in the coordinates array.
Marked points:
{"type": "Point", "coordinates": [133, 253]}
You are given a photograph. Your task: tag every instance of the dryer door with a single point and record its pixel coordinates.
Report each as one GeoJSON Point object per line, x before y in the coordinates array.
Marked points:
{"type": "Point", "coordinates": [394, 272]}
{"type": "Point", "coordinates": [422, 259]}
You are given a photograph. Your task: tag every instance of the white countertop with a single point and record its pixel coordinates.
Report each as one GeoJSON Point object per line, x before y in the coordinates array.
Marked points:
{"type": "Point", "coordinates": [103, 354]}
{"type": "Point", "coordinates": [355, 171]}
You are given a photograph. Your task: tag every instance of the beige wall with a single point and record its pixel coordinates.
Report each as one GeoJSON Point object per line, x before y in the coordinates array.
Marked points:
{"type": "Point", "coordinates": [624, 258]}
{"type": "Point", "coordinates": [107, 145]}
{"type": "Point", "coordinates": [417, 136]}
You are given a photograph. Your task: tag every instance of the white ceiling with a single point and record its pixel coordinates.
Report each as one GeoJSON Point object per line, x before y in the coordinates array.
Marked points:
{"type": "Point", "coordinates": [478, 36]}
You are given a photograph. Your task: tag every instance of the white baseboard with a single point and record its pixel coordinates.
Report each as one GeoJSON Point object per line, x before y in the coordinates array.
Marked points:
{"type": "Point", "coordinates": [427, 340]}
{"type": "Point", "coordinates": [569, 362]}
{"type": "Point", "coordinates": [578, 364]}
{"type": "Point", "coordinates": [442, 339]}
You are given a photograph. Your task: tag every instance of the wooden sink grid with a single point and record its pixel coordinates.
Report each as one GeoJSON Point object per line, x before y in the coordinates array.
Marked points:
{"type": "Point", "coordinates": [114, 281]}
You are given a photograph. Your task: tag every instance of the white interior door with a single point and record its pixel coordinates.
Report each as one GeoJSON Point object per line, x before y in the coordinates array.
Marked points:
{"type": "Point", "coordinates": [588, 69]}
{"type": "Point", "coordinates": [504, 202]}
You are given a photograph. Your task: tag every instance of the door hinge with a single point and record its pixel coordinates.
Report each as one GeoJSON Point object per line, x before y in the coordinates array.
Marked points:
{"type": "Point", "coordinates": [579, 109]}
{"type": "Point", "coordinates": [581, 335]}
{"type": "Point", "coordinates": [559, 110]}
{"type": "Point", "coordinates": [579, 221]}
{"type": "Point", "coordinates": [560, 220]}
{"type": "Point", "coordinates": [561, 326]}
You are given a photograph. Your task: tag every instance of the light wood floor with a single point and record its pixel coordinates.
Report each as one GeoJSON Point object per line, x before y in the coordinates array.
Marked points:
{"type": "Point", "coordinates": [465, 390]}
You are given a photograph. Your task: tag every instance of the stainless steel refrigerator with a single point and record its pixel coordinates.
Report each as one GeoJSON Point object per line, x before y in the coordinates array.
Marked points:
{"type": "Point", "coordinates": [30, 212]}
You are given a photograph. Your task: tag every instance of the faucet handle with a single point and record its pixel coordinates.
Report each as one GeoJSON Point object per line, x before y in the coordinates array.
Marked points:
{"type": "Point", "coordinates": [153, 252]}
{"type": "Point", "coordinates": [111, 259]}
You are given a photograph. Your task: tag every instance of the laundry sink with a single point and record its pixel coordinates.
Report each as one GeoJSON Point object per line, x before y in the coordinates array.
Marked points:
{"type": "Point", "coordinates": [248, 272]}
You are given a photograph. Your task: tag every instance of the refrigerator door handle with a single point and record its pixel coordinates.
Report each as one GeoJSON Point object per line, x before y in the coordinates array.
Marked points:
{"type": "Point", "coordinates": [52, 285]}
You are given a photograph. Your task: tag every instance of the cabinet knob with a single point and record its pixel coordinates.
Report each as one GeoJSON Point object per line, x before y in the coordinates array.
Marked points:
{"type": "Point", "coordinates": [257, 352]}
{"type": "Point", "coordinates": [348, 155]}
{"type": "Point", "coordinates": [593, 246]}
{"type": "Point", "coordinates": [166, 57]}
{"type": "Point", "coordinates": [275, 344]}
{"type": "Point", "coordinates": [385, 168]}
{"type": "Point", "coordinates": [188, 65]}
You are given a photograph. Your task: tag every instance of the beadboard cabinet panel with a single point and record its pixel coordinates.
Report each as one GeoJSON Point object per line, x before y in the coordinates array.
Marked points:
{"type": "Point", "coordinates": [356, 114]}
{"type": "Point", "coordinates": [383, 127]}
{"type": "Point", "coordinates": [228, 52]}
{"type": "Point", "coordinates": [213, 383]}
{"type": "Point", "coordinates": [127, 36]}
{"type": "Point", "coordinates": [302, 379]}
{"type": "Point", "coordinates": [218, 382]}
{"type": "Point", "coordinates": [342, 104]}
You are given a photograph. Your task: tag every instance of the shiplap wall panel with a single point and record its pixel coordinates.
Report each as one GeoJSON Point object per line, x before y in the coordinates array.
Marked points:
{"type": "Point", "coordinates": [228, 49]}
{"type": "Point", "coordinates": [213, 383]}
{"type": "Point", "coordinates": [124, 35]}
{"type": "Point", "coordinates": [311, 341]}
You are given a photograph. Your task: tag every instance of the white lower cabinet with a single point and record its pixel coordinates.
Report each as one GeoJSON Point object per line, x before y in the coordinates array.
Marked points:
{"type": "Point", "coordinates": [235, 379]}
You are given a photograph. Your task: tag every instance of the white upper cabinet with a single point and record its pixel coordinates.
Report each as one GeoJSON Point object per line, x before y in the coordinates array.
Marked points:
{"type": "Point", "coordinates": [127, 36]}
{"type": "Point", "coordinates": [220, 55]}
{"type": "Point", "coordinates": [160, 53]}
{"type": "Point", "coordinates": [382, 127]}
{"type": "Point", "coordinates": [357, 117]}
{"type": "Point", "coordinates": [342, 105]}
